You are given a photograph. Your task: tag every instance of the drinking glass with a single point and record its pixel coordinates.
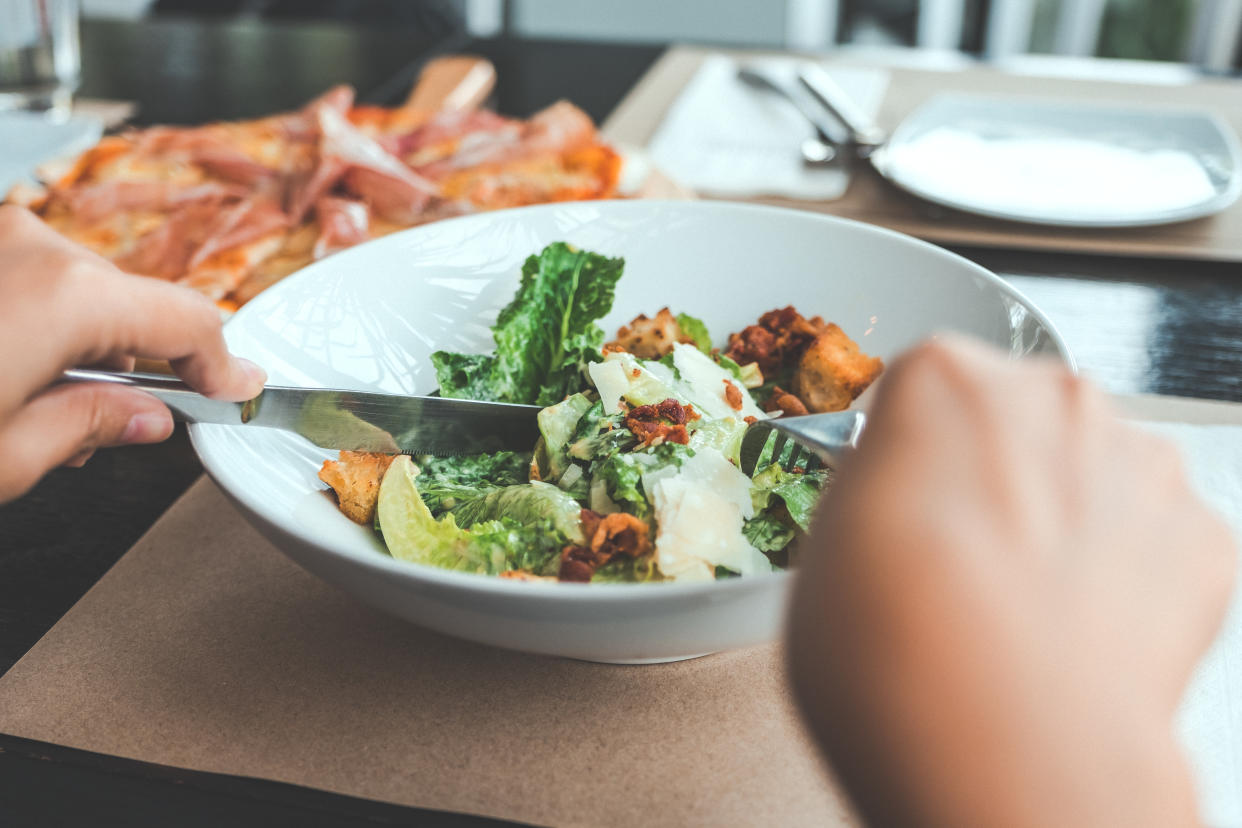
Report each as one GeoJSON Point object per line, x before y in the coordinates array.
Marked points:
{"type": "Point", "coordinates": [39, 59]}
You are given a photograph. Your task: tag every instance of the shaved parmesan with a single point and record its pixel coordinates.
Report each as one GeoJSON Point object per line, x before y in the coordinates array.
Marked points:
{"type": "Point", "coordinates": [622, 377]}
{"type": "Point", "coordinates": [703, 384]}
{"type": "Point", "coordinates": [610, 381]}
{"type": "Point", "coordinates": [700, 511]}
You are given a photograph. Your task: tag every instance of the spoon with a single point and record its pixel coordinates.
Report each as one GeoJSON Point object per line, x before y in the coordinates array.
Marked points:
{"type": "Point", "coordinates": [817, 151]}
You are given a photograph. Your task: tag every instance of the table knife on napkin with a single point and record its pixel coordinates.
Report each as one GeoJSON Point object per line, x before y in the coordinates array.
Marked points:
{"type": "Point", "coordinates": [349, 420]}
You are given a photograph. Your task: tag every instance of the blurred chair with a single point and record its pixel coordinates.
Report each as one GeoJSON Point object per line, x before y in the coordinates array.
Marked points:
{"type": "Point", "coordinates": [1213, 43]}
{"type": "Point", "coordinates": [1004, 27]}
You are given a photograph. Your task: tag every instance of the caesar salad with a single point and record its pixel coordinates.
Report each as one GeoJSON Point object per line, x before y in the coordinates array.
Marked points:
{"type": "Point", "coordinates": [636, 476]}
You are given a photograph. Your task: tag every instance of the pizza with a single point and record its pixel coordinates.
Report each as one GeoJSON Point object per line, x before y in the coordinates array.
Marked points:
{"type": "Point", "coordinates": [231, 208]}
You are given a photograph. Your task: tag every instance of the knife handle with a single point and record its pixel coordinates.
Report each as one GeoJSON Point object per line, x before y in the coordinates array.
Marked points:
{"type": "Point", "coordinates": [186, 404]}
{"type": "Point", "coordinates": [864, 133]}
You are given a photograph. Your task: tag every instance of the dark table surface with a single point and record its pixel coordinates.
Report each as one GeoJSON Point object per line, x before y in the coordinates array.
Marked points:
{"type": "Point", "coordinates": [1136, 326]}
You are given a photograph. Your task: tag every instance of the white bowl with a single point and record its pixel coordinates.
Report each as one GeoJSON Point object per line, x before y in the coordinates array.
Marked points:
{"type": "Point", "coordinates": [369, 317]}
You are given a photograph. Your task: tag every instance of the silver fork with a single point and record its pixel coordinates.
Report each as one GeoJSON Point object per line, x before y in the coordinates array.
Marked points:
{"type": "Point", "coordinates": [817, 438]}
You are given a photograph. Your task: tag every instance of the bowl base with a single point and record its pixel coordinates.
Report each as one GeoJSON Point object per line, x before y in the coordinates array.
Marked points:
{"type": "Point", "coordinates": [659, 660]}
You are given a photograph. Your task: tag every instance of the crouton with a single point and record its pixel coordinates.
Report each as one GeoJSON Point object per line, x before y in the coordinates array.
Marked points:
{"type": "Point", "coordinates": [833, 372]}
{"type": "Point", "coordinates": [648, 338]}
{"type": "Point", "coordinates": [355, 478]}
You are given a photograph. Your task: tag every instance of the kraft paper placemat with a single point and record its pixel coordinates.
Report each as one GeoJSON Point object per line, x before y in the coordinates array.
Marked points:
{"type": "Point", "coordinates": [206, 648]}
{"type": "Point", "coordinates": [871, 199]}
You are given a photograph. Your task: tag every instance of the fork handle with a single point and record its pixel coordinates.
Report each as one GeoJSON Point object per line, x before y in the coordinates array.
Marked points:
{"type": "Point", "coordinates": [186, 404]}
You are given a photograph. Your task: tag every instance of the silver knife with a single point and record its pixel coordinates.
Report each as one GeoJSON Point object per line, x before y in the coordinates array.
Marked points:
{"type": "Point", "coordinates": [349, 420]}
{"type": "Point", "coordinates": [864, 134]}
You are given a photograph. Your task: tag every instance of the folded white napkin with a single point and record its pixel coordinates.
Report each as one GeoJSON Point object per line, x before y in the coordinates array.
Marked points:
{"type": "Point", "coordinates": [30, 139]}
{"type": "Point", "coordinates": [723, 138]}
{"type": "Point", "coordinates": [1210, 720]}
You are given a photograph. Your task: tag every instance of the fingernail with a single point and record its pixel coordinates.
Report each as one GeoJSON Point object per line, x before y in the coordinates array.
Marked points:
{"type": "Point", "coordinates": [253, 372]}
{"type": "Point", "coordinates": [147, 428]}
{"type": "Point", "coordinates": [78, 460]}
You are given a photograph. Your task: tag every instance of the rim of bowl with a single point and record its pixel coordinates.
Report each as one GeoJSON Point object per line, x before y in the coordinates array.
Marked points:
{"type": "Point", "coordinates": [611, 592]}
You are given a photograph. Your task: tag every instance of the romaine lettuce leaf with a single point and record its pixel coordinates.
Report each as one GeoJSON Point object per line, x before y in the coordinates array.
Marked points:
{"type": "Point", "coordinates": [799, 492]}
{"type": "Point", "coordinates": [409, 530]}
{"type": "Point", "coordinates": [768, 533]}
{"type": "Point", "coordinates": [696, 330]}
{"type": "Point", "coordinates": [528, 503]}
{"type": "Point", "coordinates": [545, 337]}
{"type": "Point", "coordinates": [507, 544]}
{"type": "Point", "coordinates": [492, 546]}
{"type": "Point", "coordinates": [622, 474]}
{"type": "Point", "coordinates": [558, 424]}
{"type": "Point", "coordinates": [623, 570]}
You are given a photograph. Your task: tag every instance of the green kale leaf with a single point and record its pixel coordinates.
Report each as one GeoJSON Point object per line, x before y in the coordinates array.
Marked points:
{"type": "Point", "coordinates": [446, 482]}
{"type": "Point", "coordinates": [545, 337]}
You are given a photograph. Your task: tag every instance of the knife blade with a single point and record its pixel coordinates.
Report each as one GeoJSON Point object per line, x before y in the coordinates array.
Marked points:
{"type": "Point", "coordinates": [349, 420]}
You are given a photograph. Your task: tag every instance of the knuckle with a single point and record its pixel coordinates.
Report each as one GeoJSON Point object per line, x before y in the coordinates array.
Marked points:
{"type": "Point", "coordinates": [89, 416]}
{"type": "Point", "coordinates": [14, 219]}
{"type": "Point", "coordinates": [1080, 394]}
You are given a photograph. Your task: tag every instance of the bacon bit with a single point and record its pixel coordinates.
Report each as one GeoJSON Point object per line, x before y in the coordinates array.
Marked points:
{"type": "Point", "coordinates": [655, 424]}
{"type": "Point", "coordinates": [691, 414]}
{"type": "Point", "coordinates": [590, 522]}
{"type": "Point", "coordinates": [780, 337]}
{"type": "Point", "coordinates": [612, 348]}
{"type": "Point", "coordinates": [732, 396]}
{"type": "Point", "coordinates": [621, 534]}
{"type": "Point", "coordinates": [608, 536]}
{"type": "Point", "coordinates": [636, 373]}
{"type": "Point", "coordinates": [782, 400]}
{"type": "Point", "coordinates": [750, 419]}
{"type": "Point", "coordinates": [577, 565]}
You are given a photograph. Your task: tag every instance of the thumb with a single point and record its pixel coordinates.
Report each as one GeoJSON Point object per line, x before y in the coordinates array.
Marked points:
{"type": "Point", "coordinates": [69, 421]}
